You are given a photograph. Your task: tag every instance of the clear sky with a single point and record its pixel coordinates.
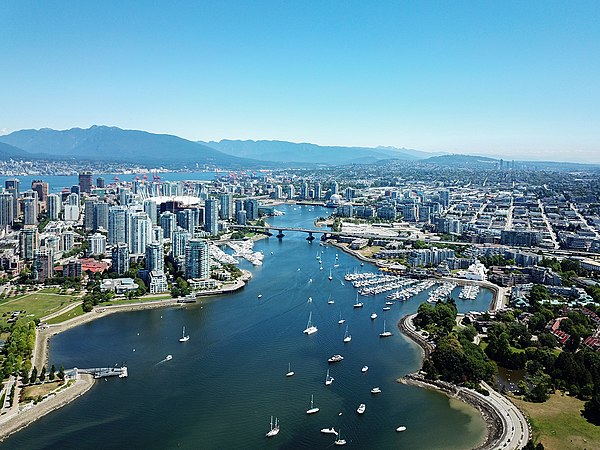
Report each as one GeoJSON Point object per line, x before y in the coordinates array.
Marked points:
{"type": "Point", "coordinates": [513, 78]}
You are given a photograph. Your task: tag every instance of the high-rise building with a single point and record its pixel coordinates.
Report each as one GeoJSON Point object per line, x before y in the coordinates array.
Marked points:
{"type": "Point", "coordinates": [117, 224]}
{"type": "Point", "coordinates": [188, 219]}
{"type": "Point", "coordinates": [226, 212]}
{"type": "Point", "coordinates": [334, 188]}
{"type": "Point", "coordinates": [53, 206]}
{"type": "Point", "coordinates": [43, 264]}
{"type": "Point", "coordinates": [197, 259]}
{"type": "Point", "coordinates": [179, 243]}
{"type": "Point", "coordinates": [85, 182]}
{"type": "Point", "coordinates": [13, 185]}
{"type": "Point", "coordinates": [240, 217]}
{"type": "Point", "coordinates": [75, 189]}
{"type": "Point", "coordinates": [151, 209]}
{"type": "Point", "coordinates": [318, 193]}
{"type": "Point", "coordinates": [28, 241]}
{"type": "Point", "coordinates": [6, 209]}
{"type": "Point", "coordinates": [42, 188]}
{"type": "Point", "coordinates": [140, 233]}
{"type": "Point", "coordinates": [120, 258]}
{"type": "Point", "coordinates": [29, 208]}
{"type": "Point", "coordinates": [100, 182]}
{"type": "Point", "coordinates": [278, 192]}
{"type": "Point", "coordinates": [67, 240]}
{"type": "Point", "coordinates": [52, 242]}
{"type": "Point", "coordinates": [72, 269]}
{"type": "Point", "coordinates": [100, 216]}
{"type": "Point", "coordinates": [251, 207]}
{"type": "Point", "coordinates": [96, 244]}
{"type": "Point", "coordinates": [71, 213]}
{"type": "Point", "coordinates": [239, 205]}
{"type": "Point", "coordinates": [157, 235]}
{"type": "Point", "coordinates": [73, 199]}
{"type": "Point", "coordinates": [290, 191]}
{"type": "Point", "coordinates": [155, 257]}
{"type": "Point", "coordinates": [211, 216]}
{"type": "Point", "coordinates": [168, 223]}
{"type": "Point", "coordinates": [88, 213]}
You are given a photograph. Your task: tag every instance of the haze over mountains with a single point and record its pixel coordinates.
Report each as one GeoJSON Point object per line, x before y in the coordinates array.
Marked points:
{"type": "Point", "coordinates": [102, 143]}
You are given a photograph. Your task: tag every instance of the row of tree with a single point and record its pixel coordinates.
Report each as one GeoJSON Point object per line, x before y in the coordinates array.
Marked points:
{"type": "Point", "coordinates": [19, 347]}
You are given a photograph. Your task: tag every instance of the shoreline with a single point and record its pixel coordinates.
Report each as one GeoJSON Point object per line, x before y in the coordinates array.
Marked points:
{"type": "Point", "coordinates": [490, 407]}
{"type": "Point", "coordinates": [12, 423]}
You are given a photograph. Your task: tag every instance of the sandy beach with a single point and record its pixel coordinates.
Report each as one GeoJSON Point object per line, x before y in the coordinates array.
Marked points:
{"type": "Point", "coordinates": [11, 423]}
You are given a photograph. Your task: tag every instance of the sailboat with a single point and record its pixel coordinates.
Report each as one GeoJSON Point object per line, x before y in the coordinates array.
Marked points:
{"type": "Point", "coordinates": [312, 409]}
{"type": "Point", "coordinates": [274, 429]}
{"type": "Point", "coordinates": [347, 337]}
{"type": "Point", "coordinates": [358, 304]}
{"type": "Point", "coordinates": [183, 337]}
{"type": "Point", "coordinates": [289, 373]}
{"type": "Point", "coordinates": [339, 440]}
{"type": "Point", "coordinates": [330, 301]}
{"type": "Point", "coordinates": [310, 328]}
{"type": "Point", "coordinates": [328, 379]}
{"type": "Point", "coordinates": [341, 321]}
{"type": "Point", "coordinates": [385, 333]}
{"type": "Point", "coordinates": [330, 277]}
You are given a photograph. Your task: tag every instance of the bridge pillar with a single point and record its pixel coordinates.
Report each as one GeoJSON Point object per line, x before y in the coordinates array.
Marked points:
{"type": "Point", "coordinates": [310, 237]}
{"type": "Point", "coordinates": [280, 235]}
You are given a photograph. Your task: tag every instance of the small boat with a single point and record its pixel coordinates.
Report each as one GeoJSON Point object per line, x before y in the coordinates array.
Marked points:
{"type": "Point", "coordinates": [183, 337]}
{"type": "Point", "coordinates": [330, 277]}
{"type": "Point", "coordinates": [341, 321]}
{"type": "Point", "coordinates": [328, 379]}
{"type": "Point", "coordinates": [386, 308]}
{"type": "Point", "coordinates": [274, 429]}
{"type": "Point", "coordinates": [373, 316]}
{"type": "Point", "coordinates": [290, 372]}
{"type": "Point", "coordinates": [259, 295]}
{"type": "Point", "coordinates": [329, 431]}
{"type": "Point", "coordinates": [361, 408]}
{"type": "Point", "coordinates": [362, 264]}
{"type": "Point", "coordinates": [335, 358]}
{"type": "Point", "coordinates": [309, 299]}
{"type": "Point", "coordinates": [376, 390]}
{"type": "Point", "coordinates": [402, 428]}
{"type": "Point", "coordinates": [321, 268]}
{"type": "Point", "coordinates": [310, 328]}
{"type": "Point", "coordinates": [385, 333]}
{"type": "Point", "coordinates": [330, 301]}
{"type": "Point", "coordinates": [312, 409]}
{"type": "Point", "coordinates": [358, 304]}
{"type": "Point", "coordinates": [168, 357]}
{"type": "Point", "coordinates": [347, 337]}
{"type": "Point", "coordinates": [364, 369]}
{"type": "Point", "coordinates": [339, 440]}
{"type": "Point", "coordinates": [389, 303]}
{"type": "Point", "coordinates": [336, 256]}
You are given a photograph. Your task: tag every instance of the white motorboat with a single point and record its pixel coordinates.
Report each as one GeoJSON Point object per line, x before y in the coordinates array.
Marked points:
{"type": "Point", "coordinates": [329, 431]}
{"type": "Point", "coordinates": [347, 337]}
{"type": "Point", "coordinates": [274, 428]}
{"type": "Point", "coordinates": [373, 316]}
{"type": "Point", "coordinates": [401, 428]}
{"type": "Point", "coordinates": [335, 358]}
{"type": "Point", "coordinates": [290, 372]}
{"type": "Point", "coordinates": [183, 337]}
{"type": "Point", "coordinates": [259, 295]}
{"type": "Point", "coordinates": [168, 357]}
{"type": "Point", "coordinates": [312, 409]}
{"type": "Point", "coordinates": [386, 308]}
{"type": "Point", "coordinates": [364, 369]}
{"type": "Point", "coordinates": [361, 408]}
{"type": "Point", "coordinates": [310, 328]}
{"type": "Point", "coordinates": [376, 390]}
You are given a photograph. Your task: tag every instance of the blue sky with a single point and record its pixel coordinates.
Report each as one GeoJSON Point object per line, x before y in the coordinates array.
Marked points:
{"type": "Point", "coordinates": [518, 79]}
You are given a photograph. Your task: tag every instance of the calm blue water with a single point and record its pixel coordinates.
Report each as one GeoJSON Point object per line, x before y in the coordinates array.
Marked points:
{"type": "Point", "coordinates": [222, 386]}
{"type": "Point", "coordinates": [58, 182]}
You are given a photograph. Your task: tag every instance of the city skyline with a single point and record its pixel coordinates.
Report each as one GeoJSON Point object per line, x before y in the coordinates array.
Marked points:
{"type": "Point", "coordinates": [509, 80]}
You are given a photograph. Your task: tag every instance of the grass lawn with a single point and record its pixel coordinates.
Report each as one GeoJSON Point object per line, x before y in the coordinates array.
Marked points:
{"type": "Point", "coordinates": [559, 425]}
{"type": "Point", "coordinates": [367, 252]}
{"type": "Point", "coordinates": [123, 301]}
{"type": "Point", "coordinates": [37, 304]}
{"type": "Point", "coordinates": [33, 392]}
{"type": "Point", "coordinates": [77, 311]}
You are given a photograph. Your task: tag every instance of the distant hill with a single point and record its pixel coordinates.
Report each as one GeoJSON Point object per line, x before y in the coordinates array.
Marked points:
{"type": "Point", "coordinates": [101, 143]}
{"type": "Point", "coordinates": [461, 160]}
{"type": "Point", "coordinates": [290, 152]}
{"type": "Point", "coordinates": [9, 151]}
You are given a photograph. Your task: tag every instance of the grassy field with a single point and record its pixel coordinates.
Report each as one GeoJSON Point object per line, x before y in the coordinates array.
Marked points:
{"type": "Point", "coordinates": [123, 301]}
{"type": "Point", "coordinates": [77, 311]}
{"type": "Point", "coordinates": [559, 425]}
{"type": "Point", "coordinates": [37, 304]}
{"type": "Point", "coordinates": [37, 390]}
{"type": "Point", "coordinates": [368, 252]}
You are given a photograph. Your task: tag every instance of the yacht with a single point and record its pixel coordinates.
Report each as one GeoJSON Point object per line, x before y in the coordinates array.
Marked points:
{"type": "Point", "coordinates": [358, 304]}
{"type": "Point", "coordinates": [385, 333]}
{"type": "Point", "coordinates": [274, 429]}
{"type": "Point", "coordinates": [183, 337]}
{"type": "Point", "coordinates": [310, 328]}
{"type": "Point", "coordinates": [373, 316]}
{"type": "Point", "coordinates": [329, 431]}
{"type": "Point", "coordinates": [401, 428]}
{"type": "Point", "coordinates": [328, 379]}
{"type": "Point", "coordinates": [364, 369]}
{"type": "Point", "coordinates": [347, 337]}
{"type": "Point", "coordinates": [361, 408]}
{"type": "Point", "coordinates": [376, 390]}
{"type": "Point", "coordinates": [330, 276]}
{"type": "Point", "coordinates": [330, 301]}
{"type": "Point", "coordinates": [341, 321]}
{"type": "Point", "coordinates": [335, 358]}
{"type": "Point", "coordinates": [339, 440]}
{"type": "Point", "coordinates": [312, 409]}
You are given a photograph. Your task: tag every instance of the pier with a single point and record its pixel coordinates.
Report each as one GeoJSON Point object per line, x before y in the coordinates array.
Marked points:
{"type": "Point", "coordinates": [103, 372]}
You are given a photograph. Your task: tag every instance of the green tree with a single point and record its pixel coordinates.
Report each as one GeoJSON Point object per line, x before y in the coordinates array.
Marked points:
{"type": "Point", "coordinates": [43, 374]}
{"type": "Point", "coordinates": [34, 375]}
{"type": "Point", "coordinates": [52, 373]}
{"type": "Point", "coordinates": [61, 373]}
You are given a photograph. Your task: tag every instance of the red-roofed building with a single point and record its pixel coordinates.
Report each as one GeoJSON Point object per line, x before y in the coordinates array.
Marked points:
{"type": "Point", "coordinates": [554, 328]}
